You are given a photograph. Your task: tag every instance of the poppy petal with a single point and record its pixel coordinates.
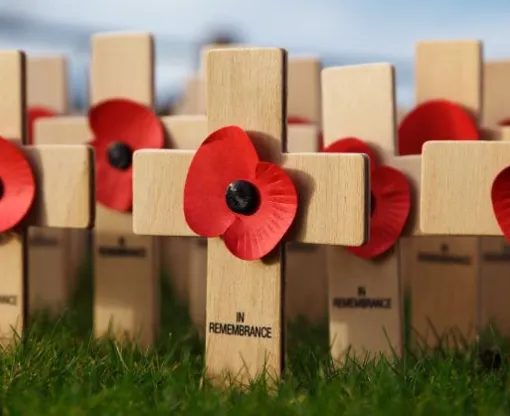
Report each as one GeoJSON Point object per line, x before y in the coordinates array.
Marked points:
{"type": "Point", "coordinates": [434, 120]}
{"type": "Point", "coordinates": [127, 123]}
{"type": "Point", "coordinates": [252, 237]}
{"type": "Point", "coordinates": [17, 185]}
{"type": "Point", "coordinates": [298, 120]}
{"type": "Point", "coordinates": [500, 195]}
{"type": "Point", "coordinates": [352, 145]}
{"type": "Point", "coordinates": [225, 156]}
{"type": "Point", "coordinates": [392, 196]}
{"type": "Point", "coordinates": [35, 113]}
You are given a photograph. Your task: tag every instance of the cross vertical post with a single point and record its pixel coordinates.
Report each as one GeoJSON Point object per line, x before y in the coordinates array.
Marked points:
{"type": "Point", "coordinates": [246, 88]}
{"type": "Point", "coordinates": [306, 282]}
{"type": "Point", "coordinates": [365, 309]}
{"type": "Point", "coordinates": [64, 189]}
{"type": "Point", "coordinates": [496, 100]}
{"type": "Point", "coordinates": [50, 255]}
{"type": "Point", "coordinates": [186, 258]}
{"type": "Point", "coordinates": [306, 274]}
{"type": "Point", "coordinates": [445, 270]}
{"type": "Point", "coordinates": [494, 251]}
{"type": "Point", "coordinates": [126, 273]}
{"type": "Point", "coordinates": [126, 286]}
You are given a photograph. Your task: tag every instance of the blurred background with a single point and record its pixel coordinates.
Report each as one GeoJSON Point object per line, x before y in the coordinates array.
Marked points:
{"type": "Point", "coordinates": [340, 32]}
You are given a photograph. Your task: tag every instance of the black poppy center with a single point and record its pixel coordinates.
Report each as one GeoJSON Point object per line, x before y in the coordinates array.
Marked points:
{"type": "Point", "coordinates": [242, 197]}
{"type": "Point", "coordinates": [2, 188]}
{"type": "Point", "coordinates": [373, 203]}
{"type": "Point", "coordinates": [120, 155]}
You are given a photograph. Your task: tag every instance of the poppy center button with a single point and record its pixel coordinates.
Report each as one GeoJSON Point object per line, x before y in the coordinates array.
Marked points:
{"type": "Point", "coordinates": [2, 188]}
{"type": "Point", "coordinates": [242, 197]}
{"type": "Point", "coordinates": [120, 155]}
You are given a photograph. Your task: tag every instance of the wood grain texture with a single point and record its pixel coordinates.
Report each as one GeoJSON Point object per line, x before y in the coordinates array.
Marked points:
{"type": "Point", "coordinates": [359, 101]}
{"type": "Point", "coordinates": [51, 260]}
{"type": "Point", "coordinates": [456, 185]}
{"type": "Point", "coordinates": [494, 259]}
{"type": "Point", "coordinates": [122, 65]}
{"type": "Point", "coordinates": [13, 250]}
{"type": "Point", "coordinates": [184, 258]}
{"type": "Point", "coordinates": [450, 70]}
{"type": "Point", "coordinates": [306, 292]}
{"type": "Point", "coordinates": [64, 181]}
{"type": "Point", "coordinates": [47, 82]}
{"type": "Point", "coordinates": [246, 87]}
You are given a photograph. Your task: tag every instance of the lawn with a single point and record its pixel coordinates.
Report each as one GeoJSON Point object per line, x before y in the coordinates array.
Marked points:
{"type": "Point", "coordinates": [59, 369]}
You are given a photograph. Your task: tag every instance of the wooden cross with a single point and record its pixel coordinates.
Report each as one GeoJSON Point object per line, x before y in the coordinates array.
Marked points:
{"type": "Point", "coordinates": [126, 266]}
{"type": "Point", "coordinates": [444, 270]}
{"type": "Point", "coordinates": [50, 255]}
{"type": "Point", "coordinates": [494, 251]}
{"type": "Point", "coordinates": [306, 282]}
{"type": "Point", "coordinates": [246, 87]}
{"type": "Point", "coordinates": [365, 308]}
{"type": "Point", "coordinates": [64, 193]}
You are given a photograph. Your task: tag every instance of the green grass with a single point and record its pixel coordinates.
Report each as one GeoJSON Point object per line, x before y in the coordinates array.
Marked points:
{"type": "Point", "coordinates": [59, 369]}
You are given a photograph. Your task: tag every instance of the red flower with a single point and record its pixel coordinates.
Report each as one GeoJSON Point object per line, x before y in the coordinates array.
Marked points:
{"type": "Point", "coordinates": [302, 120]}
{"type": "Point", "coordinates": [500, 195]}
{"type": "Point", "coordinates": [435, 120]}
{"type": "Point", "coordinates": [35, 113]}
{"type": "Point", "coordinates": [230, 193]}
{"type": "Point", "coordinates": [120, 127]}
{"type": "Point", "coordinates": [391, 200]}
{"type": "Point", "coordinates": [17, 185]}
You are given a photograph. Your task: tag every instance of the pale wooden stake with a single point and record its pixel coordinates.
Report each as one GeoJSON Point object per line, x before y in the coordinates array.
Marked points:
{"type": "Point", "coordinates": [126, 288]}
{"type": "Point", "coordinates": [359, 101]}
{"type": "Point", "coordinates": [186, 258]}
{"type": "Point", "coordinates": [444, 270]}
{"type": "Point", "coordinates": [52, 273]}
{"type": "Point", "coordinates": [496, 98]}
{"type": "Point", "coordinates": [306, 282]}
{"type": "Point", "coordinates": [494, 261]}
{"type": "Point", "coordinates": [65, 191]}
{"type": "Point", "coordinates": [457, 178]}
{"type": "Point", "coordinates": [193, 100]}
{"type": "Point", "coordinates": [246, 87]}
{"type": "Point", "coordinates": [306, 274]}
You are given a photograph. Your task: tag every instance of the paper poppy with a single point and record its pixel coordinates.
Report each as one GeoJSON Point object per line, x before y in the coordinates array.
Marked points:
{"type": "Point", "coordinates": [230, 193]}
{"type": "Point", "coordinates": [17, 185]}
{"type": "Point", "coordinates": [301, 120]}
{"type": "Point", "coordinates": [390, 200]}
{"type": "Point", "coordinates": [500, 195]}
{"type": "Point", "coordinates": [120, 127]}
{"type": "Point", "coordinates": [34, 114]}
{"type": "Point", "coordinates": [435, 120]}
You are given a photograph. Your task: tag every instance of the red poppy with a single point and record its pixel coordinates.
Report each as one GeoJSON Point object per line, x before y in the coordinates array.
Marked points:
{"type": "Point", "coordinates": [302, 120]}
{"type": "Point", "coordinates": [390, 200]}
{"type": "Point", "coordinates": [435, 120]}
{"type": "Point", "coordinates": [120, 127]}
{"type": "Point", "coordinates": [35, 113]}
{"type": "Point", "coordinates": [230, 193]}
{"type": "Point", "coordinates": [500, 195]}
{"type": "Point", "coordinates": [17, 185]}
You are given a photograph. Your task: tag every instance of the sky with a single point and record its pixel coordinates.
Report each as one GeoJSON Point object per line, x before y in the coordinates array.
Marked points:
{"type": "Point", "coordinates": [368, 30]}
